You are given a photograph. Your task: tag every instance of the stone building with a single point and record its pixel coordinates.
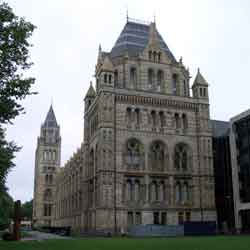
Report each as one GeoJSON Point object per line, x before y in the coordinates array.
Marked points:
{"type": "Point", "coordinates": [47, 163]}
{"type": "Point", "coordinates": [146, 157]}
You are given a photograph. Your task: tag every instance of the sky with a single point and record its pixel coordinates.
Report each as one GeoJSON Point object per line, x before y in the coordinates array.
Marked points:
{"type": "Point", "coordinates": [210, 34]}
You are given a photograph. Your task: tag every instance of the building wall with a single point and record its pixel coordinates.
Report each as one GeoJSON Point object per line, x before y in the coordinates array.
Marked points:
{"type": "Point", "coordinates": [145, 144]}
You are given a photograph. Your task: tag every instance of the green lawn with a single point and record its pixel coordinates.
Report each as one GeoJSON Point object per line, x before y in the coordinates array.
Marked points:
{"type": "Point", "coordinates": [187, 243]}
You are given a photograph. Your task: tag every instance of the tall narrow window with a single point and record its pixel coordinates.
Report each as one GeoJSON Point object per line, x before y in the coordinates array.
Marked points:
{"type": "Point", "coordinates": [116, 78]}
{"type": "Point", "coordinates": [177, 121]}
{"type": "Point", "coordinates": [156, 218]}
{"type": "Point", "coordinates": [180, 218]}
{"type": "Point", "coordinates": [164, 218]}
{"type": "Point", "coordinates": [153, 114]}
{"type": "Point", "coordinates": [159, 57]}
{"type": "Point", "coordinates": [159, 80]}
{"type": "Point", "coordinates": [178, 196]}
{"type": "Point", "coordinates": [185, 192]}
{"type": "Point", "coordinates": [150, 78]}
{"type": "Point", "coordinates": [185, 88]}
{"type": "Point", "coordinates": [184, 121]}
{"type": "Point", "coordinates": [129, 190]}
{"type": "Point", "coordinates": [129, 116]}
{"type": "Point", "coordinates": [133, 77]}
{"type": "Point", "coordinates": [150, 55]}
{"type": "Point", "coordinates": [154, 55]}
{"type": "Point", "coordinates": [105, 78]}
{"type": "Point", "coordinates": [161, 191]}
{"type": "Point", "coordinates": [137, 190]}
{"type": "Point", "coordinates": [137, 116]}
{"type": "Point", "coordinates": [174, 84]}
{"type": "Point", "coordinates": [153, 191]}
{"type": "Point", "coordinates": [110, 79]}
{"type": "Point", "coordinates": [162, 119]}
{"type": "Point", "coordinates": [138, 218]}
{"type": "Point", "coordinates": [204, 92]}
{"type": "Point", "coordinates": [130, 219]}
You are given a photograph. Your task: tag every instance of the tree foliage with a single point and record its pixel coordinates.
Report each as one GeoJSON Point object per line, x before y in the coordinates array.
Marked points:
{"type": "Point", "coordinates": [26, 210]}
{"type": "Point", "coordinates": [14, 85]}
{"type": "Point", "coordinates": [6, 209]}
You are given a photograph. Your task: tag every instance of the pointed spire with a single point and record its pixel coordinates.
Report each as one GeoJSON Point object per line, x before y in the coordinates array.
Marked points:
{"type": "Point", "coordinates": [99, 54]}
{"type": "Point", "coordinates": [199, 79]}
{"type": "Point", "coordinates": [50, 120]}
{"type": "Point", "coordinates": [91, 91]}
{"type": "Point", "coordinates": [127, 14]}
{"type": "Point", "coordinates": [153, 36]}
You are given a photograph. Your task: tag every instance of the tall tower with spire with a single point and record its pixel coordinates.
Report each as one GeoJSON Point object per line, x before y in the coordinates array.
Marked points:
{"type": "Point", "coordinates": [47, 163]}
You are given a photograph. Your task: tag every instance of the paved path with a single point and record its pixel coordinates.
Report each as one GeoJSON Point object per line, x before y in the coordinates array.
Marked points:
{"type": "Point", "coordinates": [35, 235]}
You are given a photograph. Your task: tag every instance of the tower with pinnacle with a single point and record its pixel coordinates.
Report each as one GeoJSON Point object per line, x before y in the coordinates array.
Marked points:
{"type": "Point", "coordinates": [47, 163]}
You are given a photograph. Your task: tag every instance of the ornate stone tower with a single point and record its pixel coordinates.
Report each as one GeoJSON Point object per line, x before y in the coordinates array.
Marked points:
{"type": "Point", "coordinates": [148, 142]}
{"type": "Point", "coordinates": [47, 163]}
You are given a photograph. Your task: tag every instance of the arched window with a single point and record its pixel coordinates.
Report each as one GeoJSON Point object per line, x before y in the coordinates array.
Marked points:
{"type": "Point", "coordinates": [150, 78]}
{"type": "Point", "coordinates": [157, 156]}
{"type": "Point", "coordinates": [153, 191]}
{"type": "Point", "coordinates": [133, 77]}
{"type": "Point", "coordinates": [159, 80]}
{"type": "Point", "coordinates": [184, 121]}
{"type": "Point", "coordinates": [137, 116]}
{"type": "Point", "coordinates": [129, 116]}
{"type": "Point", "coordinates": [204, 92]}
{"type": "Point", "coordinates": [154, 56]}
{"type": "Point", "coordinates": [162, 119]}
{"type": "Point", "coordinates": [51, 179]}
{"type": "Point", "coordinates": [110, 79]}
{"type": "Point", "coordinates": [177, 121]}
{"type": "Point", "coordinates": [137, 190]}
{"type": "Point", "coordinates": [153, 114]}
{"type": "Point", "coordinates": [134, 153]}
{"type": "Point", "coordinates": [91, 160]}
{"type": "Point", "coordinates": [129, 190]}
{"type": "Point", "coordinates": [161, 191]}
{"type": "Point", "coordinates": [185, 192]}
{"type": "Point", "coordinates": [116, 78]}
{"type": "Point", "coordinates": [182, 157]}
{"type": "Point", "coordinates": [159, 57]}
{"type": "Point", "coordinates": [47, 194]}
{"type": "Point", "coordinates": [46, 179]}
{"type": "Point", "coordinates": [178, 195]}
{"type": "Point", "coordinates": [105, 78]}
{"type": "Point", "coordinates": [174, 79]}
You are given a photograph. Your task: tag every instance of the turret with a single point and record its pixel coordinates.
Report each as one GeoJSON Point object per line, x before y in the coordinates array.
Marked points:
{"type": "Point", "coordinates": [89, 97]}
{"type": "Point", "coordinates": [200, 86]}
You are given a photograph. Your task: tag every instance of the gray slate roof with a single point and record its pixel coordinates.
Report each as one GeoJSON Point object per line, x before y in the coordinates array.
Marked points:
{"type": "Point", "coordinates": [50, 120]}
{"type": "Point", "coordinates": [134, 38]}
{"type": "Point", "coordinates": [220, 128]}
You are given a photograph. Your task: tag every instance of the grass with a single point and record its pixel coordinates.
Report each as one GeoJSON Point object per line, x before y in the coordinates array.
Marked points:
{"type": "Point", "coordinates": [180, 243]}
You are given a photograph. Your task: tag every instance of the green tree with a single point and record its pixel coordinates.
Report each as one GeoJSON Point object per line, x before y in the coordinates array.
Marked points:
{"type": "Point", "coordinates": [6, 209]}
{"type": "Point", "coordinates": [14, 85]}
{"type": "Point", "coordinates": [26, 210]}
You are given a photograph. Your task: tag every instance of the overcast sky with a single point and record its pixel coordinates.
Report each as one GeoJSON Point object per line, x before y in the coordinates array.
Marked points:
{"type": "Point", "coordinates": [212, 35]}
